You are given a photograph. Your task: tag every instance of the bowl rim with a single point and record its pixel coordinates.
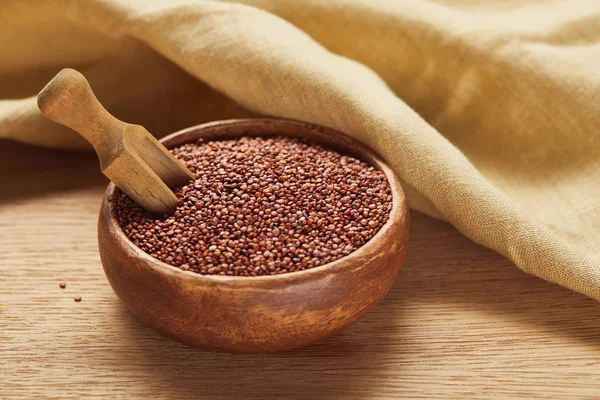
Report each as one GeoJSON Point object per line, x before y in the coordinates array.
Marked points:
{"type": "Point", "coordinates": [398, 214]}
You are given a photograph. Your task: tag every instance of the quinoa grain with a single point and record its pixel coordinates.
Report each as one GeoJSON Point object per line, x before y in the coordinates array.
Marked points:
{"type": "Point", "coordinates": [262, 206]}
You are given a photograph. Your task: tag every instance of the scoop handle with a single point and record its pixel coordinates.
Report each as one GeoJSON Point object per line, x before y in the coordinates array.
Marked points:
{"type": "Point", "coordinates": [69, 100]}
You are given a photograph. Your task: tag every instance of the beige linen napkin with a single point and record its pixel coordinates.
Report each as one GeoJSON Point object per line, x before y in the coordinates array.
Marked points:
{"type": "Point", "coordinates": [488, 110]}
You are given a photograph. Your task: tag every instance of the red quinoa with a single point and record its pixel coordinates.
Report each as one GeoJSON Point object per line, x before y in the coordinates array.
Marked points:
{"type": "Point", "coordinates": [262, 206]}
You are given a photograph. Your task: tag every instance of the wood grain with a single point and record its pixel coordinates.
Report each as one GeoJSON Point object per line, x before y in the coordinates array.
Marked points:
{"type": "Point", "coordinates": [461, 322]}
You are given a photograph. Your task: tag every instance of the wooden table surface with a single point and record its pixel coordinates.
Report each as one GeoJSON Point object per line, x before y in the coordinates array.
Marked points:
{"type": "Point", "coordinates": [461, 321]}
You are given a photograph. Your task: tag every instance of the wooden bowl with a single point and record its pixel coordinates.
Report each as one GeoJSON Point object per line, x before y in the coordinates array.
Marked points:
{"type": "Point", "coordinates": [266, 313]}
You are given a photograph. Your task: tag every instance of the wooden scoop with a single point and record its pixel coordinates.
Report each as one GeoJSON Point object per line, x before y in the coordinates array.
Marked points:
{"type": "Point", "coordinates": [129, 155]}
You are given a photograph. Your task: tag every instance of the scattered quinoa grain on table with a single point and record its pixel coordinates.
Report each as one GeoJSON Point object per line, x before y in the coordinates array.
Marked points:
{"type": "Point", "coordinates": [262, 206]}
